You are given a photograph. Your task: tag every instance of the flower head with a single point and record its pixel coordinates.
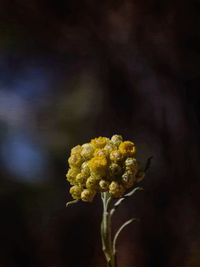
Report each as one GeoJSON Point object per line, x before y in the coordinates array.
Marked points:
{"type": "Point", "coordinates": [103, 165]}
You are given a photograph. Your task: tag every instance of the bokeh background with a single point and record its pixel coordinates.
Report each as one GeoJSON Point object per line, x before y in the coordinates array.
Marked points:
{"type": "Point", "coordinates": [72, 70]}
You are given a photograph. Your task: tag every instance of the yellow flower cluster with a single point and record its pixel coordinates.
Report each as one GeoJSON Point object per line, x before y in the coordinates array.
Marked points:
{"type": "Point", "coordinates": [103, 165]}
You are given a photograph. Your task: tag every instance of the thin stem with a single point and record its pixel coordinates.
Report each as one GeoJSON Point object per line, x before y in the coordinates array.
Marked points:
{"type": "Point", "coordinates": [106, 237]}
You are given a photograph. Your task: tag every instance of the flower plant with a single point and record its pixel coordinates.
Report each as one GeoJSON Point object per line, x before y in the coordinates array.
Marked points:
{"type": "Point", "coordinates": [107, 167]}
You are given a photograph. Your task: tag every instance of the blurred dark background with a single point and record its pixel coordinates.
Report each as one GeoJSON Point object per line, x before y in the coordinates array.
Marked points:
{"type": "Point", "coordinates": [72, 70]}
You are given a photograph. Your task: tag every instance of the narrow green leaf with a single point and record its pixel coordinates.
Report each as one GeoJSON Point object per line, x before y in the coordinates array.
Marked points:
{"type": "Point", "coordinates": [129, 194]}
{"type": "Point", "coordinates": [119, 231]}
{"type": "Point", "coordinates": [116, 205]}
{"type": "Point", "coordinates": [71, 202]}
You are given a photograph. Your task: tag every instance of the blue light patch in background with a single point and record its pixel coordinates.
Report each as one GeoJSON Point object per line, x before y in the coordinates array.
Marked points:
{"type": "Point", "coordinates": [24, 159]}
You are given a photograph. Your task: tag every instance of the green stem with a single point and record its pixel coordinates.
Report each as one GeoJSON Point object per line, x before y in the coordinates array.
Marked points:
{"type": "Point", "coordinates": [106, 237]}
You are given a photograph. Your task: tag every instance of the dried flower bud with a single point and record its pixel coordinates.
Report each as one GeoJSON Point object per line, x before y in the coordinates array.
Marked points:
{"type": "Point", "coordinates": [75, 160]}
{"type": "Point", "coordinates": [116, 189]}
{"type": "Point", "coordinates": [116, 139]}
{"type": "Point", "coordinates": [127, 148]}
{"type": "Point", "coordinates": [131, 164]}
{"type": "Point", "coordinates": [109, 148]}
{"type": "Point", "coordinates": [81, 178]}
{"type": "Point", "coordinates": [98, 165]}
{"type": "Point", "coordinates": [75, 191]}
{"type": "Point", "coordinates": [104, 185]}
{"type": "Point", "coordinates": [99, 142]}
{"type": "Point", "coordinates": [115, 155]}
{"type": "Point", "coordinates": [128, 179]}
{"type": "Point", "coordinates": [71, 175]}
{"type": "Point", "coordinates": [87, 151]}
{"type": "Point", "coordinates": [100, 153]}
{"type": "Point", "coordinates": [114, 169]}
{"type": "Point", "coordinates": [76, 150]}
{"type": "Point", "coordinates": [91, 183]}
{"type": "Point", "coordinates": [85, 169]}
{"type": "Point", "coordinates": [87, 195]}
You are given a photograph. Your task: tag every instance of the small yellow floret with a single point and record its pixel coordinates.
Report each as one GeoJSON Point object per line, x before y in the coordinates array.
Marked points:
{"type": "Point", "coordinates": [116, 139]}
{"type": "Point", "coordinates": [75, 191]}
{"type": "Point", "coordinates": [132, 165]}
{"type": "Point", "coordinates": [127, 148]}
{"type": "Point", "coordinates": [81, 179]}
{"type": "Point", "coordinates": [116, 189]}
{"type": "Point", "coordinates": [87, 151]}
{"type": "Point", "coordinates": [91, 183]}
{"type": "Point", "coordinates": [104, 185]}
{"type": "Point", "coordinates": [87, 195]}
{"type": "Point", "coordinates": [128, 179]}
{"type": "Point", "coordinates": [98, 165]}
{"type": "Point", "coordinates": [100, 152]}
{"type": "Point", "coordinates": [115, 155]}
{"type": "Point", "coordinates": [99, 142]}
{"type": "Point", "coordinates": [115, 170]}
{"type": "Point", "coordinates": [85, 169]}
{"type": "Point", "coordinates": [71, 175]}
{"type": "Point", "coordinates": [96, 175]}
{"type": "Point", "coordinates": [76, 150]}
{"type": "Point", "coordinates": [75, 160]}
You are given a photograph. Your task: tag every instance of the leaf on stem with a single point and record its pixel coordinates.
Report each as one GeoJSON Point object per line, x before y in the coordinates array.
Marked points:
{"type": "Point", "coordinates": [119, 231]}
{"type": "Point", "coordinates": [116, 205]}
{"type": "Point", "coordinates": [71, 202]}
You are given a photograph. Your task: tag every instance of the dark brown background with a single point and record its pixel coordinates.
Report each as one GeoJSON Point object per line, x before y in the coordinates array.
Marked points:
{"type": "Point", "coordinates": [72, 70]}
